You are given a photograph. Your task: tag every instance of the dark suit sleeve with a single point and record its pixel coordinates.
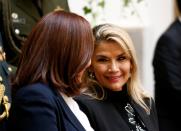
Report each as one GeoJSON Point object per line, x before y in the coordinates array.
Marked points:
{"type": "Point", "coordinates": [32, 110]}
{"type": "Point", "coordinates": [167, 62]}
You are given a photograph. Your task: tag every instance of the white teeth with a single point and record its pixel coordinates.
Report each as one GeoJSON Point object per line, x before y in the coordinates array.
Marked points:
{"type": "Point", "coordinates": [115, 77]}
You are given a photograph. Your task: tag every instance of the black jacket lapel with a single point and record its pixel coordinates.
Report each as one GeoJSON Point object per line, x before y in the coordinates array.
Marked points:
{"type": "Point", "coordinates": [69, 114]}
{"type": "Point", "coordinates": [144, 116]}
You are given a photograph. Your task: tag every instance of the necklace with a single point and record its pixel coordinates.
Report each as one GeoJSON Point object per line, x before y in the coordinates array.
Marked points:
{"type": "Point", "coordinates": [135, 122]}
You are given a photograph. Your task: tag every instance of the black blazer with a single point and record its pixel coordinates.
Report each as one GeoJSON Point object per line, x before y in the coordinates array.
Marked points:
{"type": "Point", "coordinates": [103, 115]}
{"type": "Point", "coordinates": [167, 74]}
{"type": "Point", "coordinates": [38, 107]}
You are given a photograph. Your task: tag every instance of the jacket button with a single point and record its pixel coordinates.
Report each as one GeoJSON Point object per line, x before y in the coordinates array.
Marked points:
{"type": "Point", "coordinates": [14, 15]}
{"type": "Point", "coordinates": [17, 31]}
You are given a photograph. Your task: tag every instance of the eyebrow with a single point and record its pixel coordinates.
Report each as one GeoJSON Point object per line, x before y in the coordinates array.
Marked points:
{"type": "Point", "coordinates": [102, 55]}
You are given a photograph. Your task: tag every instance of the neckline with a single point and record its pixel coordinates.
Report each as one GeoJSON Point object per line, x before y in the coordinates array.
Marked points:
{"type": "Point", "coordinates": [116, 96]}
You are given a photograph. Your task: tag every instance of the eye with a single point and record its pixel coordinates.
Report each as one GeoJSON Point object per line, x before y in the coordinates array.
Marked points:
{"type": "Point", "coordinates": [102, 60]}
{"type": "Point", "coordinates": [122, 58]}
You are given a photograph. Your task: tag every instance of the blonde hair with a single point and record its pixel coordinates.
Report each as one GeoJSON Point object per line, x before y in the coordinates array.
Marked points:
{"type": "Point", "coordinates": [109, 32]}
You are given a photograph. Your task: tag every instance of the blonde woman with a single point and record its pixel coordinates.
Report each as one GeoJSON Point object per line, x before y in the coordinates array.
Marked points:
{"type": "Point", "coordinates": [116, 101]}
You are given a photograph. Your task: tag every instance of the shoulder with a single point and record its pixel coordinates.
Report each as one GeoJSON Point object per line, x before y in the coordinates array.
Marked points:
{"type": "Point", "coordinates": [169, 41]}
{"type": "Point", "coordinates": [93, 106]}
{"type": "Point", "coordinates": [172, 34]}
{"type": "Point", "coordinates": [98, 111]}
{"type": "Point", "coordinates": [83, 100]}
{"type": "Point", "coordinates": [31, 99]}
{"type": "Point", "coordinates": [35, 88]}
{"type": "Point", "coordinates": [36, 102]}
{"type": "Point", "coordinates": [173, 28]}
{"type": "Point", "coordinates": [89, 104]}
{"type": "Point", "coordinates": [34, 92]}
{"type": "Point", "coordinates": [86, 100]}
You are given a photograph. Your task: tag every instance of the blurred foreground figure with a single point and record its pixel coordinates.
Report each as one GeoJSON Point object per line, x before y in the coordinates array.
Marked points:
{"type": "Point", "coordinates": [49, 74]}
{"type": "Point", "coordinates": [17, 18]}
{"type": "Point", "coordinates": [167, 73]}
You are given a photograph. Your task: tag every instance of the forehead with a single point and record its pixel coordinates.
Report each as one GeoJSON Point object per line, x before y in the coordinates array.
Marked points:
{"type": "Point", "coordinates": [108, 46]}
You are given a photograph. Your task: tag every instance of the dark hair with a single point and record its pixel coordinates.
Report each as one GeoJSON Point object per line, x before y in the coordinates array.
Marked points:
{"type": "Point", "coordinates": [179, 5]}
{"type": "Point", "coordinates": [57, 49]}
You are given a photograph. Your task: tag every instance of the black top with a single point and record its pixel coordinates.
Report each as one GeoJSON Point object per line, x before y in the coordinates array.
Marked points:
{"type": "Point", "coordinates": [110, 114]}
{"type": "Point", "coordinates": [122, 103]}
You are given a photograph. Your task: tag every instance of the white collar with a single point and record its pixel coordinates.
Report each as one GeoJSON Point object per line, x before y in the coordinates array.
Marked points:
{"type": "Point", "coordinates": [74, 107]}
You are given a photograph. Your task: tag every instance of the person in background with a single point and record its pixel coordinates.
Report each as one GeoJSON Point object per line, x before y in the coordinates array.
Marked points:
{"type": "Point", "coordinates": [49, 74]}
{"type": "Point", "coordinates": [17, 18]}
{"type": "Point", "coordinates": [5, 93]}
{"type": "Point", "coordinates": [167, 75]}
{"type": "Point", "coordinates": [115, 100]}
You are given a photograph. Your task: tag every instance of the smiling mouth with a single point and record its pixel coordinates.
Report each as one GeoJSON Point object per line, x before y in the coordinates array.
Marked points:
{"type": "Point", "coordinates": [113, 78]}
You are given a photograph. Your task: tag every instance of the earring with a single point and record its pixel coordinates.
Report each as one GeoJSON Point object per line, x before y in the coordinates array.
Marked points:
{"type": "Point", "coordinates": [91, 75]}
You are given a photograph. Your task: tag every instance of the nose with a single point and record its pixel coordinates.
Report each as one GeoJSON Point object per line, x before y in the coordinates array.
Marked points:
{"type": "Point", "coordinates": [113, 67]}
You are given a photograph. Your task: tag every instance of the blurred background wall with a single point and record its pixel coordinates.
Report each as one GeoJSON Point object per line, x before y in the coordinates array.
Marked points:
{"type": "Point", "coordinates": [145, 20]}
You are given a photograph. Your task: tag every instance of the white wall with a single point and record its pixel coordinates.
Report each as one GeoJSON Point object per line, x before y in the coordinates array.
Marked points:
{"type": "Point", "coordinates": [152, 18]}
{"type": "Point", "coordinates": [160, 17]}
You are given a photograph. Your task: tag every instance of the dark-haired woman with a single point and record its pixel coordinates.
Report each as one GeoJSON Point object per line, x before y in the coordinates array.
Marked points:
{"type": "Point", "coordinates": [53, 59]}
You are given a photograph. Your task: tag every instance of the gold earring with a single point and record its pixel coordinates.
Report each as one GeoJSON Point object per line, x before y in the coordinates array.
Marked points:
{"type": "Point", "coordinates": [91, 75]}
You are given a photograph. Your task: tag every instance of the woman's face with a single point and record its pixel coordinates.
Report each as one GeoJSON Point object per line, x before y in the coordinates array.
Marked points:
{"type": "Point", "coordinates": [110, 65]}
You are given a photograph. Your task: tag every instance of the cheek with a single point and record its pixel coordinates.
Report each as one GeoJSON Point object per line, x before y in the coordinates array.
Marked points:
{"type": "Point", "coordinates": [127, 69]}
